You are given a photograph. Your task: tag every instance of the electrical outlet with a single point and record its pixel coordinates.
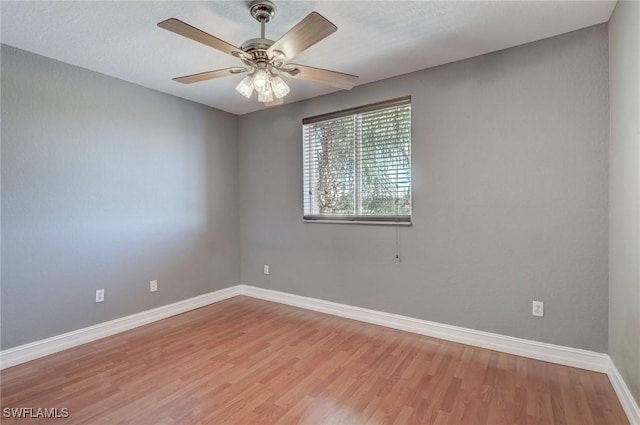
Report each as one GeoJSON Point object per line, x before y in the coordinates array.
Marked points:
{"type": "Point", "coordinates": [538, 309]}
{"type": "Point", "coordinates": [266, 269]}
{"type": "Point", "coordinates": [99, 295]}
{"type": "Point", "coordinates": [153, 286]}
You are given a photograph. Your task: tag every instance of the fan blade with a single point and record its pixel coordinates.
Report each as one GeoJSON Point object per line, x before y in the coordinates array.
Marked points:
{"type": "Point", "coordinates": [186, 30]}
{"type": "Point", "coordinates": [331, 78]}
{"type": "Point", "coordinates": [303, 35]}
{"type": "Point", "coordinates": [209, 75]}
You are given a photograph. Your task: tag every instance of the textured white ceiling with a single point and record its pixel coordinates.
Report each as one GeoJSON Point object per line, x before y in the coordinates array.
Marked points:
{"type": "Point", "coordinates": [375, 39]}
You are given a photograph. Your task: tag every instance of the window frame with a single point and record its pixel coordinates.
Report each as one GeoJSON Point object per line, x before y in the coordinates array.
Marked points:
{"type": "Point", "coordinates": [405, 220]}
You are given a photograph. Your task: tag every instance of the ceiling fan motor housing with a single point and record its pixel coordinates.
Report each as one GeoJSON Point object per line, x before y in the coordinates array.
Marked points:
{"type": "Point", "coordinates": [257, 48]}
{"type": "Point", "coordinates": [256, 44]}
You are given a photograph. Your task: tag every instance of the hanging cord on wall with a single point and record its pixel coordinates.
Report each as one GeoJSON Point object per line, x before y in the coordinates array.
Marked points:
{"type": "Point", "coordinates": [397, 200]}
{"type": "Point", "coordinates": [398, 242]}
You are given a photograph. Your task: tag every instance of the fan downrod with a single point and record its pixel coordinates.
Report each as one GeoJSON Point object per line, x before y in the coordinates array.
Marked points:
{"type": "Point", "coordinates": [262, 11]}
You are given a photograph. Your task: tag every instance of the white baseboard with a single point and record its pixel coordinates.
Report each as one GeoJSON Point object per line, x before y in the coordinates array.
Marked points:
{"type": "Point", "coordinates": [522, 347]}
{"type": "Point", "coordinates": [623, 392]}
{"type": "Point", "coordinates": [567, 356]}
{"type": "Point", "coordinates": [24, 353]}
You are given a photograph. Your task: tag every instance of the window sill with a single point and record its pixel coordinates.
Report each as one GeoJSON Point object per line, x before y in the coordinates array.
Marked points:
{"type": "Point", "coordinates": [375, 223]}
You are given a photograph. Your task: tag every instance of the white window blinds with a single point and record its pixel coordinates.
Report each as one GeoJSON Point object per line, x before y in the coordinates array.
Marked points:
{"type": "Point", "coordinates": [357, 163]}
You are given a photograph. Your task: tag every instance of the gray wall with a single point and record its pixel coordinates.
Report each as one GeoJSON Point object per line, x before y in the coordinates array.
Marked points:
{"type": "Point", "coordinates": [109, 185]}
{"type": "Point", "coordinates": [624, 219]}
{"type": "Point", "coordinates": [510, 178]}
{"type": "Point", "coordinates": [106, 184]}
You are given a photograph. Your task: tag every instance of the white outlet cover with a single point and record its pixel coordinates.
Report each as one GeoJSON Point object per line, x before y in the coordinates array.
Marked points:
{"type": "Point", "coordinates": [537, 309]}
{"type": "Point", "coordinates": [100, 295]}
{"type": "Point", "coordinates": [266, 269]}
{"type": "Point", "coordinates": [153, 286]}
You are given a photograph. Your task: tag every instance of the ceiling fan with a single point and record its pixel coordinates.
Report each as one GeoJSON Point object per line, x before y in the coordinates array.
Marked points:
{"type": "Point", "coordinates": [266, 60]}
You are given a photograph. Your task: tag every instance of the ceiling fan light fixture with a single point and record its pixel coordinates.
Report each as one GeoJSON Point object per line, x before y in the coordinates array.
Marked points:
{"type": "Point", "coordinates": [261, 80]}
{"type": "Point", "coordinates": [245, 87]}
{"type": "Point", "coordinates": [265, 97]}
{"type": "Point", "coordinates": [279, 87]}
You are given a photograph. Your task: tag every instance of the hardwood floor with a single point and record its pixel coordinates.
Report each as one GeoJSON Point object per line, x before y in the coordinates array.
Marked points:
{"type": "Point", "coordinates": [246, 361]}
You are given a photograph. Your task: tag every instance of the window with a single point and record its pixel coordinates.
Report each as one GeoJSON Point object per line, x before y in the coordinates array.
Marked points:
{"type": "Point", "coordinates": [357, 164]}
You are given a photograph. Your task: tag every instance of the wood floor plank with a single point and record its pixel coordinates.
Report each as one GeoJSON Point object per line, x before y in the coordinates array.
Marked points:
{"type": "Point", "coordinates": [247, 361]}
